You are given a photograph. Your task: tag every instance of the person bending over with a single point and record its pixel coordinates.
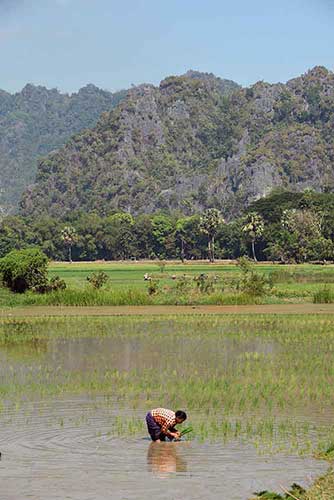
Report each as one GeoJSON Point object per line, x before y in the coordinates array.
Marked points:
{"type": "Point", "coordinates": [161, 423]}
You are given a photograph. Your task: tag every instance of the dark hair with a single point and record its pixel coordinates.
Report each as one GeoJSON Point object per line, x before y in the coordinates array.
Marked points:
{"type": "Point", "coordinates": [181, 414]}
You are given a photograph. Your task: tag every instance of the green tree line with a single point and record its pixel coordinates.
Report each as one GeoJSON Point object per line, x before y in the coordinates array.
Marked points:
{"type": "Point", "coordinates": [285, 226]}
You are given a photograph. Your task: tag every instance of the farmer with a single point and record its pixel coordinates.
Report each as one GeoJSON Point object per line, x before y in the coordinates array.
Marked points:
{"type": "Point", "coordinates": [160, 424]}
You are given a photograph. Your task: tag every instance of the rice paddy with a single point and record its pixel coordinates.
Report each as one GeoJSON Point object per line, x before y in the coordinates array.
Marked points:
{"type": "Point", "coordinates": [235, 368]}
{"type": "Point", "coordinates": [262, 381]}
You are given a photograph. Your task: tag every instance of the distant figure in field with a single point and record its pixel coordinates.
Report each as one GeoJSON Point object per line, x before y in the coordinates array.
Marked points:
{"type": "Point", "coordinates": [161, 423]}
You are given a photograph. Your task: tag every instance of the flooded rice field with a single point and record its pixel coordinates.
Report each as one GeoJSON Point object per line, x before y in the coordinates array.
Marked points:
{"type": "Point", "coordinates": [74, 393]}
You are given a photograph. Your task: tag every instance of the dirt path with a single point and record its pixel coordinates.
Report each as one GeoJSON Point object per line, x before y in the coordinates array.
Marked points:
{"type": "Point", "coordinates": [40, 311]}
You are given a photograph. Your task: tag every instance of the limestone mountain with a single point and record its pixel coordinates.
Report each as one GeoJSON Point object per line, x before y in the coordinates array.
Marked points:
{"type": "Point", "coordinates": [34, 122]}
{"type": "Point", "coordinates": [193, 142]}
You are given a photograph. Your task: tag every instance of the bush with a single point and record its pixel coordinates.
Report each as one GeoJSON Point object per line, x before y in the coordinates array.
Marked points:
{"type": "Point", "coordinates": [205, 283]}
{"type": "Point", "coordinates": [251, 282]}
{"type": "Point", "coordinates": [255, 284]}
{"type": "Point", "coordinates": [98, 279]}
{"type": "Point", "coordinates": [153, 287]}
{"type": "Point", "coordinates": [184, 283]}
{"type": "Point", "coordinates": [323, 296]}
{"type": "Point", "coordinates": [53, 285]}
{"type": "Point", "coordinates": [161, 265]}
{"type": "Point", "coordinates": [245, 264]}
{"type": "Point", "coordinates": [56, 284]}
{"type": "Point", "coordinates": [24, 270]}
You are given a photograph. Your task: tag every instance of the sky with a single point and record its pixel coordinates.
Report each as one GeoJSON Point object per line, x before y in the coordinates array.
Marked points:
{"type": "Point", "coordinates": [66, 44]}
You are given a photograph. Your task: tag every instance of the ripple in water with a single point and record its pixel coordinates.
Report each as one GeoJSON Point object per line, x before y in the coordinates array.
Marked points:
{"type": "Point", "coordinates": [61, 450]}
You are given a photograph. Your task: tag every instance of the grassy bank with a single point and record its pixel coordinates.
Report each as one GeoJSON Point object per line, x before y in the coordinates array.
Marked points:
{"type": "Point", "coordinates": [322, 489]}
{"type": "Point", "coordinates": [178, 284]}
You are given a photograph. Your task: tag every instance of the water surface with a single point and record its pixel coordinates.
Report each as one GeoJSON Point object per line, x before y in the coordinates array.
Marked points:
{"type": "Point", "coordinates": [74, 393]}
{"type": "Point", "coordinates": [64, 450]}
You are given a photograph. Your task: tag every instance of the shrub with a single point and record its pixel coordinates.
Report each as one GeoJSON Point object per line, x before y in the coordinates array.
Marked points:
{"type": "Point", "coordinates": [205, 283]}
{"type": "Point", "coordinates": [251, 282]}
{"type": "Point", "coordinates": [323, 296]}
{"type": "Point", "coordinates": [161, 265]}
{"type": "Point", "coordinates": [153, 287]}
{"type": "Point", "coordinates": [24, 270]}
{"type": "Point", "coordinates": [245, 264]}
{"type": "Point", "coordinates": [184, 283]}
{"type": "Point", "coordinates": [56, 284]}
{"type": "Point", "coordinates": [98, 279]}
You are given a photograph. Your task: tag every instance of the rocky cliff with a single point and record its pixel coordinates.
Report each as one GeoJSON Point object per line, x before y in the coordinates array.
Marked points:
{"type": "Point", "coordinates": [34, 122]}
{"type": "Point", "coordinates": [193, 142]}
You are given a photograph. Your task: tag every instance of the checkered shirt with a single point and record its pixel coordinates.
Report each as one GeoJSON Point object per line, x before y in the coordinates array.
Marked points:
{"type": "Point", "coordinates": [164, 418]}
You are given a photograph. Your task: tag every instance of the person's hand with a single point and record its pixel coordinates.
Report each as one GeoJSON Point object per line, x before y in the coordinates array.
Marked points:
{"type": "Point", "coordinates": [176, 435]}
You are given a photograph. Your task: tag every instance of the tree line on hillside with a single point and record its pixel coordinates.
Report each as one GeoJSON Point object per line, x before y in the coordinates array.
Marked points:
{"type": "Point", "coordinates": [285, 226]}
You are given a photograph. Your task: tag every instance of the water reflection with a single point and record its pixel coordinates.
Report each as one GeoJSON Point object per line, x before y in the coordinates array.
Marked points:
{"type": "Point", "coordinates": [164, 458]}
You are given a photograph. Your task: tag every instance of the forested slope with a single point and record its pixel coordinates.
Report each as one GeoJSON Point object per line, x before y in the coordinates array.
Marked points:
{"type": "Point", "coordinates": [34, 122]}
{"type": "Point", "coordinates": [193, 142]}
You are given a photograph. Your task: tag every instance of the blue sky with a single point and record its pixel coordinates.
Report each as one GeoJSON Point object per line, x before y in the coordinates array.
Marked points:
{"type": "Point", "coordinates": [69, 43]}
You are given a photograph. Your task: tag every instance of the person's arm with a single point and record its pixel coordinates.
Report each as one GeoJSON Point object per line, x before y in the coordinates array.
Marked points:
{"type": "Point", "coordinates": [175, 432]}
{"type": "Point", "coordinates": [165, 429]}
{"type": "Point", "coordinates": [169, 431]}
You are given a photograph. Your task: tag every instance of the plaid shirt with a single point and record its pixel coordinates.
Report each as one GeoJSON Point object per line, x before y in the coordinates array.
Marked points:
{"type": "Point", "coordinates": [164, 418]}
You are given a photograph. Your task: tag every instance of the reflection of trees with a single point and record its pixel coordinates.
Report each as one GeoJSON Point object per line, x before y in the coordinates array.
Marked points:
{"type": "Point", "coordinates": [164, 458]}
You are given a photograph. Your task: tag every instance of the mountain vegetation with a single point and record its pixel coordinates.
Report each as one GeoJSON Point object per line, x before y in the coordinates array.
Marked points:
{"type": "Point", "coordinates": [195, 142]}
{"type": "Point", "coordinates": [285, 226]}
{"type": "Point", "coordinates": [35, 122]}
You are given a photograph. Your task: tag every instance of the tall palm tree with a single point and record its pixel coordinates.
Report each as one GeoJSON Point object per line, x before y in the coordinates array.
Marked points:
{"type": "Point", "coordinates": [69, 237]}
{"type": "Point", "coordinates": [253, 228]}
{"type": "Point", "coordinates": [209, 223]}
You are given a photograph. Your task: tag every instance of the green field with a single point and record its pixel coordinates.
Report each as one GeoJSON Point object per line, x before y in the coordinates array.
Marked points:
{"type": "Point", "coordinates": [175, 284]}
{"type": "Point", "coordinates": [124, 275]}
{"type": "Point", "coordinates": [131, 275]}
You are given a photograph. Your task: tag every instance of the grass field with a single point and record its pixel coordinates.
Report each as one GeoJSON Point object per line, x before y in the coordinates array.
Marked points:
{"type": "Point", "coordinates": [175, 285]}
{"type": "Point", "coordinates": [131, 274]}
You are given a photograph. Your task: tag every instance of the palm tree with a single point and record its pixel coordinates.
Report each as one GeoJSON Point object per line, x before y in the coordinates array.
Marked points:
{"type": "Point", "coordinates": [69, 237]}
{"type": "Point", "coordinates": [209, 223]}
{"type": "Point", "coordinates": [253, 228]}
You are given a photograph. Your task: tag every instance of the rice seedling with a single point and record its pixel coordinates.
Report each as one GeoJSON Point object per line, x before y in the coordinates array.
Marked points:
{"type": "Point", "coordinates": [186, 430]}
{"type": "Point", "coordinates": [239, 377]}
